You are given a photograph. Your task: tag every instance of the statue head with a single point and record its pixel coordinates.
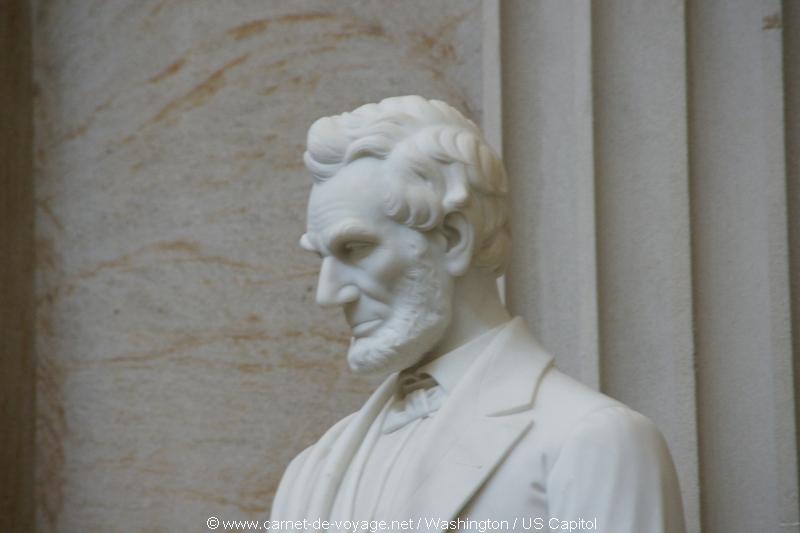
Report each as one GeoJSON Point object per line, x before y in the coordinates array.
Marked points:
{"type": "Point", "coordinates": [407, 198]}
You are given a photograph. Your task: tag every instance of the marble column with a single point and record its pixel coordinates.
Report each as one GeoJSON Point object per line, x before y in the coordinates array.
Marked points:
{"type": "Point", "coordinates": [653, 150]}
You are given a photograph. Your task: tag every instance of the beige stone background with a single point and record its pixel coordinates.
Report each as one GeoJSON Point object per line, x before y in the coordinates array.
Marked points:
{"type": "Point", "coordinates": [182, 361]}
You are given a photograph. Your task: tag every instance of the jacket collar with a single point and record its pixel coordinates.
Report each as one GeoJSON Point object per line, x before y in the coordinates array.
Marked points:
{"type": "Point", "coordinates": [514, 366]}
{"type": "Point", "coordinates": [448, 369]}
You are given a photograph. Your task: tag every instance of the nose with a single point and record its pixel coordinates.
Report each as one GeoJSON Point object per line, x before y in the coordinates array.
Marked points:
{"type": "Point", "coordinates": [332, 287]}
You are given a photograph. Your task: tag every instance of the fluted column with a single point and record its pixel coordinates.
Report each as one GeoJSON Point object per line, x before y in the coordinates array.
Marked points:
{"type": "Point", "coordinates": [653, 152]}
{"type": "Point", "coordinates": [741, 270]}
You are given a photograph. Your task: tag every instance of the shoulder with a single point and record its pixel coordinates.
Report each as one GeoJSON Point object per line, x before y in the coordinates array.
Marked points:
{"type": "Point", "coordinates": [591, 433]}
{"type": "Point", "coordinates": [615, 433]}
{"type": "Point", "coordinates": [562, 402]}
{"type": "Point", "coordinates": [611, 462]}
{"type": "Point", "coordinates": [579, 418]}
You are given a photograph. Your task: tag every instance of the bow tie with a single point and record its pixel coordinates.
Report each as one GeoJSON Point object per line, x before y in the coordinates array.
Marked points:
{"type": "Point", "coordinates": [420, 394]}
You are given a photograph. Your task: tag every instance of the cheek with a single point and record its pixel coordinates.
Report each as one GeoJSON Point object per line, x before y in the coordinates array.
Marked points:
{"type": "Point", "coordinates": [387, 267]}
{"type": "Point", "coordinates": [383, 271]}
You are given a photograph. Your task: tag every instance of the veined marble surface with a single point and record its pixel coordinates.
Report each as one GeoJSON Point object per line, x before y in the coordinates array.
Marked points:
{"type": "Point", "coordinates": [177, 336]}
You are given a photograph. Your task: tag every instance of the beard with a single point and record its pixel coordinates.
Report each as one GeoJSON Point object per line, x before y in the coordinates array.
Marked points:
{"type": "Point", "coordinates": [421, 317]}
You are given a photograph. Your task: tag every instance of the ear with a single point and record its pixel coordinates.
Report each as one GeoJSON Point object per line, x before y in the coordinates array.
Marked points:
{"type": "Point", "coordinates": [460, 237]}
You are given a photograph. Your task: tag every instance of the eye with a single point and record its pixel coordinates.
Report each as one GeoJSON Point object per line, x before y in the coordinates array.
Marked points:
{"type": "Point", "coordinates": [357, 249]}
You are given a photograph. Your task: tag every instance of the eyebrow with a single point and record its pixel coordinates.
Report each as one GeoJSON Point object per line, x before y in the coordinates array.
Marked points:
{"type": "Point", "coordinates": [337, 236]}
{"type": "Point", "coordinates": [348, 231]}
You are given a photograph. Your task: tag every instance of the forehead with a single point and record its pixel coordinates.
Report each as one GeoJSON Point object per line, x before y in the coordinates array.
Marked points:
{"type": "Point", "coordinates": [355, 193]}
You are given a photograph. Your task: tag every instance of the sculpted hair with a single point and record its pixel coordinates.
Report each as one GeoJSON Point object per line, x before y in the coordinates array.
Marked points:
{"type": "Point", "coordinates": [437, 162]}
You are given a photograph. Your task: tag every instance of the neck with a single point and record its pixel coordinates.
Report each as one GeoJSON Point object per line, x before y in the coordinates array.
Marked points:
{"type": "Point", "coordinates": [476, 309]}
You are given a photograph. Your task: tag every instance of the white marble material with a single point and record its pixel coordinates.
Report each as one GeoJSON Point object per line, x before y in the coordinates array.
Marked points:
{"type": "Point", "coordinates": [409, 217]}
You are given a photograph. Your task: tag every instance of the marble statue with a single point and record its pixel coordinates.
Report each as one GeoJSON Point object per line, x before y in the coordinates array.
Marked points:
{"type": "Point", "coordinates": [474, 427]}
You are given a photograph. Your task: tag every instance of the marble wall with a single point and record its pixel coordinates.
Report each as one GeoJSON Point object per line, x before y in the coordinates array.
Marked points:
{"type": "Point", "coordinates": [182, 361]}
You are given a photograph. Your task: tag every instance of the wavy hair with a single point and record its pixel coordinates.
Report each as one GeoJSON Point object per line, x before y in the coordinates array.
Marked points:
{"type": "Point", "coordinates": [438, 158]}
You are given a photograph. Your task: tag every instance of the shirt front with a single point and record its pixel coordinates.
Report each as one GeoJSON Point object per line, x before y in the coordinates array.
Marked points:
{"type": "Point", "coordinates": [379, 469]}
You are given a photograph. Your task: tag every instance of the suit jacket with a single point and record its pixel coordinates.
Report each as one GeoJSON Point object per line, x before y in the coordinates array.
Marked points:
{"type": "Point", "coordinates": [517, 441]}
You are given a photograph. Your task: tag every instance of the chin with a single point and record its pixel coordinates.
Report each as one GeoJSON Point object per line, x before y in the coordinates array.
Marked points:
{"type": "Point", "coordinates": [420, 318]}
{"type": "Point", "coordinates": [395, 347]}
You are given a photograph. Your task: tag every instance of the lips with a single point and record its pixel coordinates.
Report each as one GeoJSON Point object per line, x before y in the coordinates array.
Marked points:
{"type": "Point", "coordinates": [363, 329]}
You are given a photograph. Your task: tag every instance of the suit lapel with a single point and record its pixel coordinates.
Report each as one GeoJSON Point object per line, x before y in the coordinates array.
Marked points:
{"type": "Point", "coordinates": [486, 415]}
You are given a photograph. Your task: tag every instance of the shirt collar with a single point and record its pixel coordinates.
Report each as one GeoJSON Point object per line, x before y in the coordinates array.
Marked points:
{"type": "Point", "coordinates": [447, 369]}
